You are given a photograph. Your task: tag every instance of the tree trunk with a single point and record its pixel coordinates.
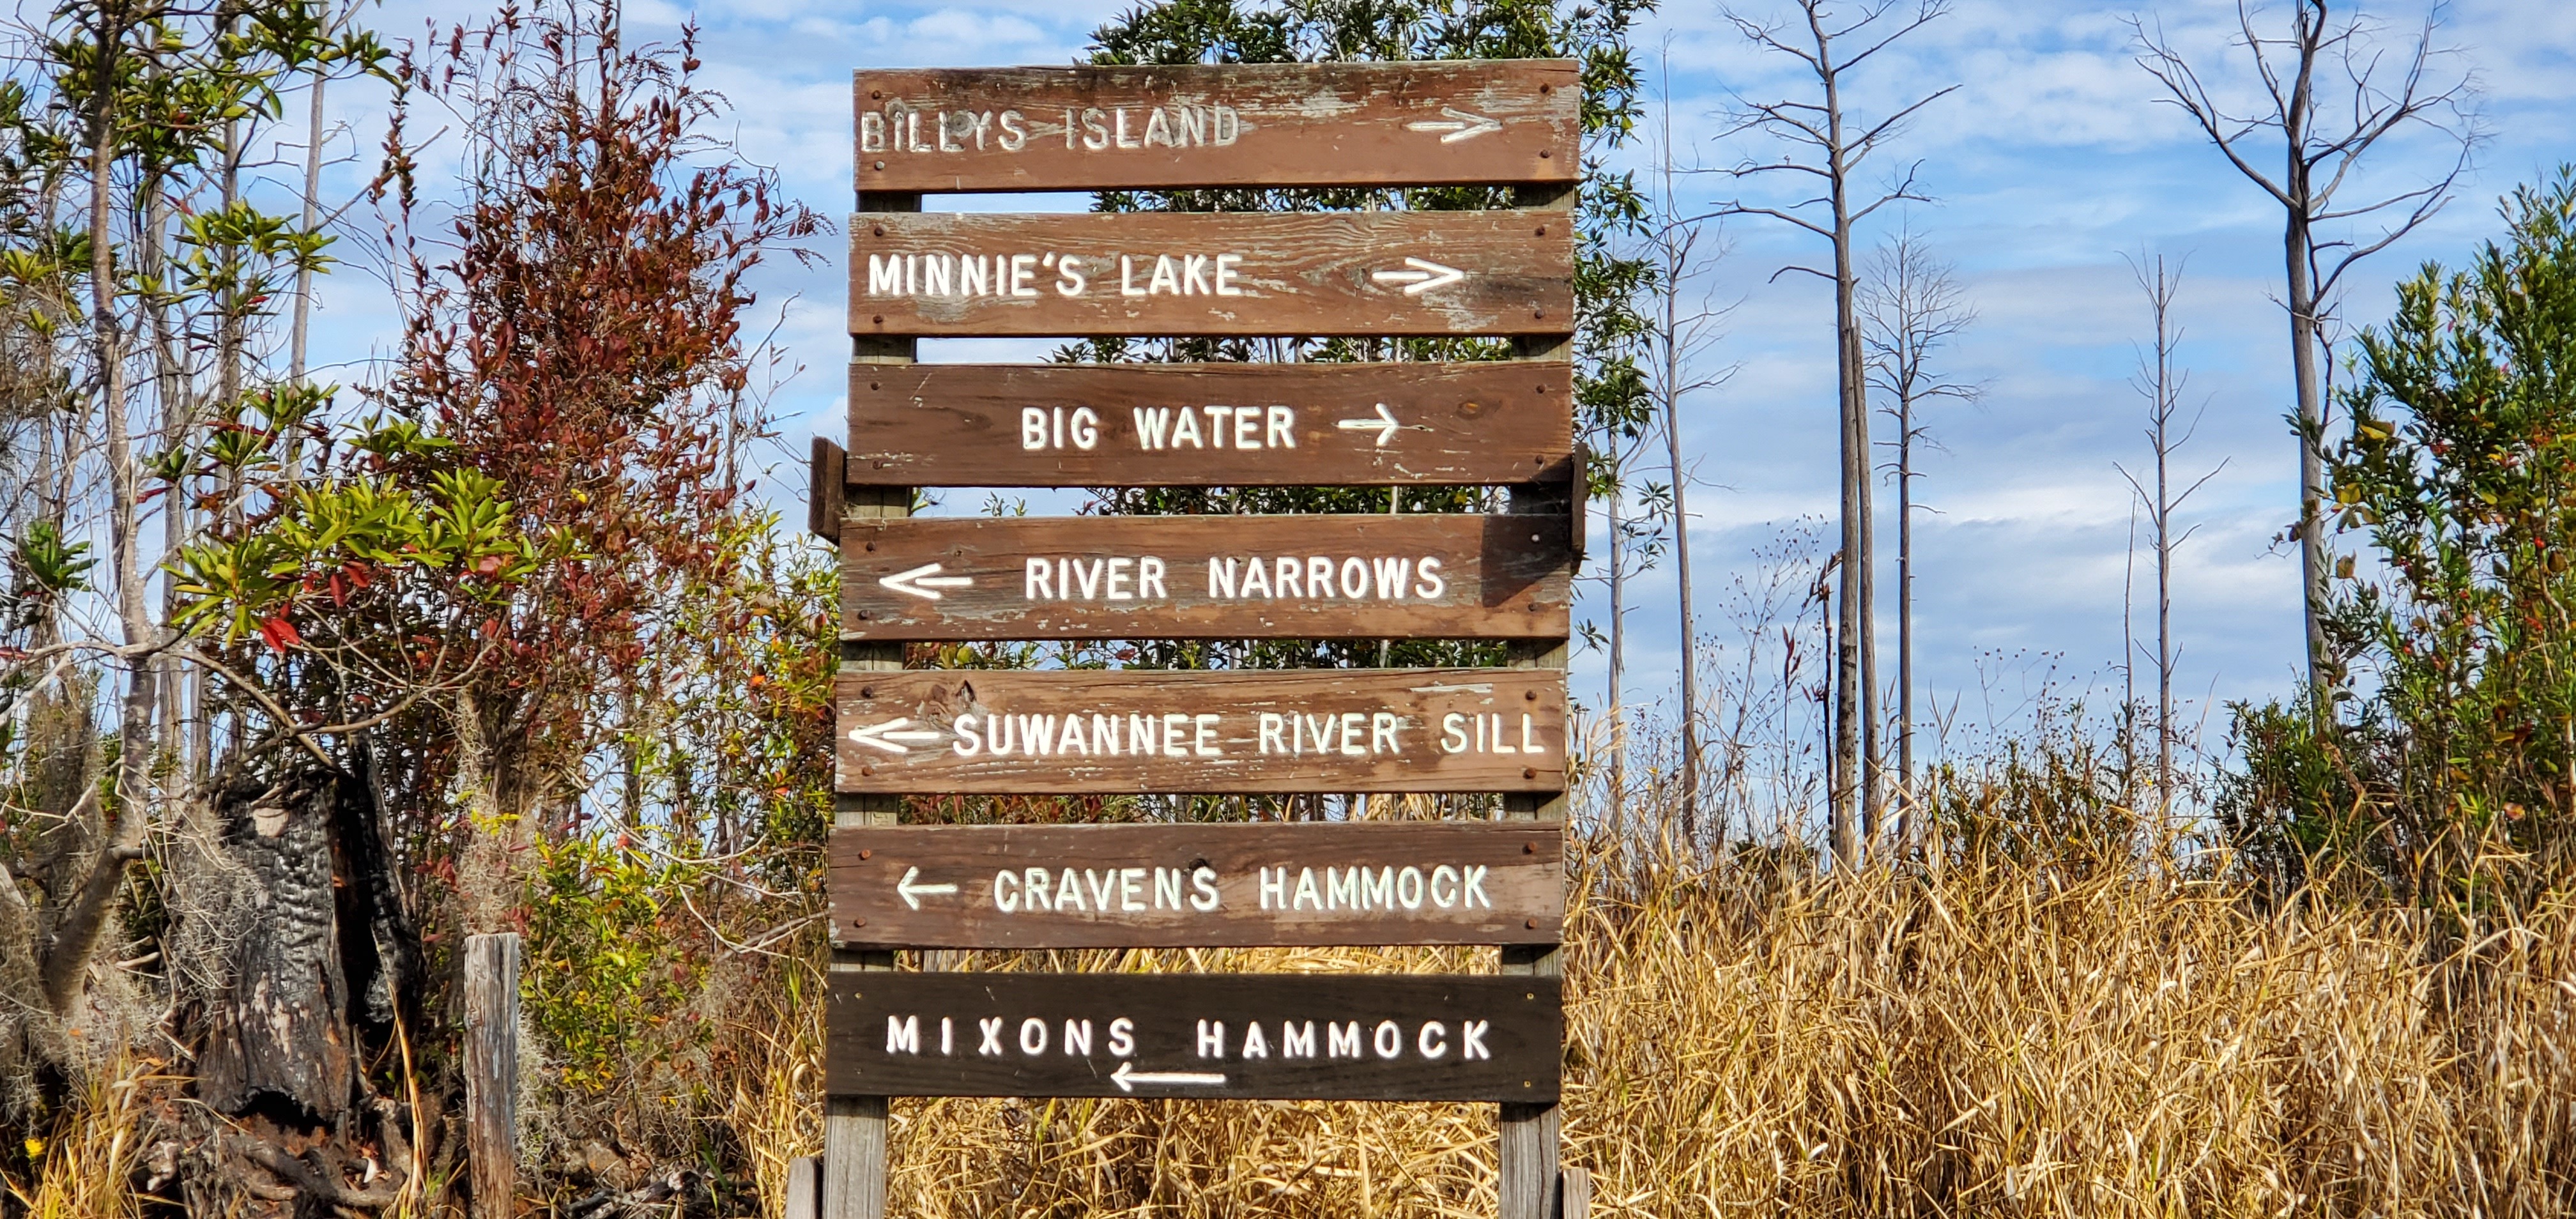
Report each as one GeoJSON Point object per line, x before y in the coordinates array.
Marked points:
{"type": "Point", "coordinates": [1682, 572]}
{"type": "Point", "coordinates": [1905, 621]}
{"type": "Point", "coordinates": [318, 961]}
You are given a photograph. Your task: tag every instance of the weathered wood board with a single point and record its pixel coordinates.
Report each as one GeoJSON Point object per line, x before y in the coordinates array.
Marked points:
{"type": "Point", "coordinates": [954, 274]}
{"type": "Point", "coordinates": [1114, 128]}
{"type": "Point", "coordinates": [1093, 425]}
{"type": "Point", "coordinates": [928, 732]}
{"type": "Point", "coordinates": [1196, 1036]}
{"type": "Point", "coordinates": [1198, 885]}
{"type": "Point", "coordinates": [1380, 576]}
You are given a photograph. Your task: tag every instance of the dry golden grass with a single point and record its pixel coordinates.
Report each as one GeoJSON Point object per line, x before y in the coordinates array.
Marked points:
{"type": "Point", "coordinates": [1986, 1041]}
{"type": "Point", "coordinates": [84, 1163]}
{"type": "Point", "coordinates": [1758, 1040]}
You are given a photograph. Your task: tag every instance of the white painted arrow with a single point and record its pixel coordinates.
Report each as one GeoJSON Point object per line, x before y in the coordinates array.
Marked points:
{"type": "Point", "coordinates": [924, 582]}
{"type": "Point", "coordinates": [1127, 1077]}
{"type": "Point", "coordinates": [912, 893]}
{"type": "Point", "coordinates": [892, 737]}
{"type": "Point", "coordinates": [1422, 276]}
{"type": "Point", "coordinates": [1385, 424]}
{"type": "Point", "coordinates": [1458, 124]}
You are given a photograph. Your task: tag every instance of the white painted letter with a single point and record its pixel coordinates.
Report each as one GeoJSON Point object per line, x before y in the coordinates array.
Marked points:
{"type": "Point", "coordinates": [1203, 736]}
{"type": "Point", "coordinates": [1390, 1040]}
{"type": "Point", "coordinates": [1211, 1039]}
{"type": "Point", "coordinates": [1430, 587]}
{"type": "Point", "coordinates": [903, 1036]}
{"type": "Point", "coordinates": [1033, 1036]}
{"type": "Point", "coordinates": [1433, 1041]}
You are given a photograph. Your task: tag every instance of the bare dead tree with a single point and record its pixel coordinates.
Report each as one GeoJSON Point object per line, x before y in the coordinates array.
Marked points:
{"type": "Point", "coordinates": [2323, 129]}
{"type": "Point", "coordinates": [1679, 337]}
{"type": "Point", "coordinates": [1828, 148]}
{"type": "Point", "coordinates": [1911, 308]}
{"type": "Point", "coordinates": [2160, 381]}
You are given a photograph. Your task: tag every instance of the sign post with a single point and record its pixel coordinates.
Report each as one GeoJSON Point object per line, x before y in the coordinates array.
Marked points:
{"type": "Point", "coordinates": [1502, 273]}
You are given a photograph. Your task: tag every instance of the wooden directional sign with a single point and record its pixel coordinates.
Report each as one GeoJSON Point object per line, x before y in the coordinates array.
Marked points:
{"type": "Point", "coordinates": [1197, 885]}
{"type": "Point", "coordinates": [1212, 273]}
{"type": "Point", "coordinates": [1207, 577]}
{"type": "Point", "coordinates": [1196, 1036]}
{"type": "Point", "coordinates": [1107, 128]}
{"type": "Point", "coordinates": [1199, 425]}
{"type": "Point", "coordinates": [1309, 730]}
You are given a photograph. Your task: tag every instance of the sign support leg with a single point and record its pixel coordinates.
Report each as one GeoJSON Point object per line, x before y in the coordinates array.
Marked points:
{"type": "Point", "coordinates": [854, 1127]}
{"type": "Point", "coordinates": [1528, 1164]}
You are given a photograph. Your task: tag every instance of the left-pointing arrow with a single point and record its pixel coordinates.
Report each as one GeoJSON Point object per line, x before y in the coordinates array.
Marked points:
{"type": "Point", "coordinates": [895, 736]}
{"type": "Point", "coordinates": [1127, 1077]}
{"type": "Point", "coordinates": [912, 893]}
{"type": "Point", "coordinates": [924, 582]}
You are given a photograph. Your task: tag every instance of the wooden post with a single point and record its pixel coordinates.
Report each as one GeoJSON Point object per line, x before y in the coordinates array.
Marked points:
{"type": "Point", "coordinates": [492, 1071]}
{"type": "Point", "coordinates": [1527, 1163]}
{"type": "Point", "coordinates": [854, 1127]}
{"type": "Point", "coordinates": [804, 1188]}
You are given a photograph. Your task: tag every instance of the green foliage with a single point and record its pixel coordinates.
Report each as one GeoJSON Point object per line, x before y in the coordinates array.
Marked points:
{"type": "Point", "coordinates": [2447, 764]}
{"type": "Point", "coordinates": [610, 972]}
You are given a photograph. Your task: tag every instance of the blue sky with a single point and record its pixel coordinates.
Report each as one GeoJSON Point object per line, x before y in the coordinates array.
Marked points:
{"type": "Point", "coordinates": [2051, 164]}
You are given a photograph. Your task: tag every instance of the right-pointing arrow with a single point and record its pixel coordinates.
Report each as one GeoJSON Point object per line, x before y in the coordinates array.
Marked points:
{"type": "Point", "coordinates": [1456, 125]}
{"type": "Point", "coordinates": [1385, 424]}
{"type": "Point", "coordinates": [1127, 1077]}
{"type": "Point", "coordinates": [1419, 275]}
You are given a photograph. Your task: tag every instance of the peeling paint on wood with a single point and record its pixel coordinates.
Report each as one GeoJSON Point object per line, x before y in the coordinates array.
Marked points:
{"type": "Point", "coordinates": [1197, 885]}
{"type": "Point", "coordinates": [1336, 730]}
{"type": "Point", "coordinates": [1051, 425]}
{"type": "Point", "coordinates": [1106, 128]}
{"type": "Point", "coordinates": [1207, 577]}
{"type": "Point", "coordinates": [951, 274]}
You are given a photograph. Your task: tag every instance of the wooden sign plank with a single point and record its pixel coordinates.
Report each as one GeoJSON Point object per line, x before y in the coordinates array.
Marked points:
{"type": "Point", "coordinates": [1446, 575]}
{"type": "Point", "coordinates": [1308, 730]}
{"type": "Point", "coordinates": [955, 274]}
{"type": "Point", "coordinates": [1197, 885]}
{"type": "Point", "coordinates": [1119, 128]}
{"type": "Point", "coordinates": [1196, 1036]}
{"type": "Point", "coordinates": [1249, 425]}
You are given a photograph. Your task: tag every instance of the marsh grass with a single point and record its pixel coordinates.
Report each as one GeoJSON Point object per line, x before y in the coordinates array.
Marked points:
{"type": "Point", "coordinates": [1997, 1036]}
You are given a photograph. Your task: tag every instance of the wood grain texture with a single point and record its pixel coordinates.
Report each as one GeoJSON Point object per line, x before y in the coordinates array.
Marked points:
{"type": "Point", "coordinates": [1212, 273]}
{"type": "Point", "coordinates": [887, 1036]}
{"type": "Point", "coordinates": [1198, 885]}
{"type": "Point", "coordinates": [1347, 124]}
{"type": "Point", "coordinates": [827, 488]}
{"type": "Point", "coordinates": [965, 425]}
{"type": "Point", "coordinates": [1207, 577]}
{"type": "Point", "coordinates": [1405, 730]}
{"type": "Point", "coordinates": [491, 985]}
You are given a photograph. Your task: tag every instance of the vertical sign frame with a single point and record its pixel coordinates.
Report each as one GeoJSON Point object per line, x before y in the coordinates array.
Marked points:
{"type": "Point", "coordinates": [854, 1183]}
